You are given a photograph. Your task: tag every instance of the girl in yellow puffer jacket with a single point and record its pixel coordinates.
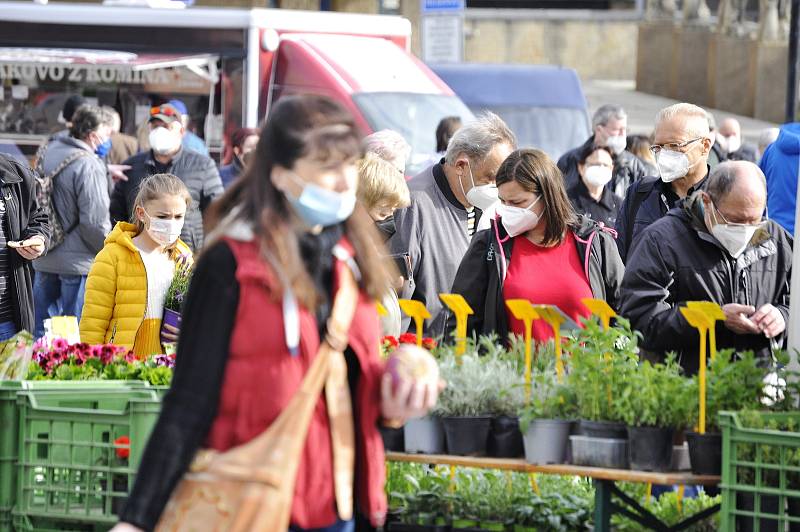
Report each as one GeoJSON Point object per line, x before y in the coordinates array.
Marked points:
{"type": "Point", "coordinates": [128, 282]}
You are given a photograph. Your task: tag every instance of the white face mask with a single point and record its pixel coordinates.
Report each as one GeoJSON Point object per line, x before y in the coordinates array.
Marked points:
{"type": "Point", "coordinates": [597, 175]}
{"type": "Point", "coordinates": [165, 232]}
{"type": "Point", "coordinates": [734, 237]}
{"type": "Point", "coordinates": [617, 144]}
{"type": "Point", "coordinates": [733, 143]}
{"type": "Point", "coordinates": [517, 220]}
{"type": "Point", "coordinates": [164, 141]}
{"type": "Point", "coordinates": [672, 165]}
{"type": "Point", "coordinates": [481, 196]}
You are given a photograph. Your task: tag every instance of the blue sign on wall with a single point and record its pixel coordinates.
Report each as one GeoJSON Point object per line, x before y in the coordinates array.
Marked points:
{"type": "Point", "coordinates": [442, 6]}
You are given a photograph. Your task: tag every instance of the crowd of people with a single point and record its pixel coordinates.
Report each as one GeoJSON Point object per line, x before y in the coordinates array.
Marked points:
{"type": "Point", "coordinates": [307, 208]}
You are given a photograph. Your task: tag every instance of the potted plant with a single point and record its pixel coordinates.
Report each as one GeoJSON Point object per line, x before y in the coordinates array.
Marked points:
{"type": "Point", "coordinates": [657, 402]}
{"type": "Point", "coordinates": [173, 301]}
{"type": "Point", "coordinates": [464, 405]}
{"type": "Point", "coordinates": [420, 500]}
{"type": "Point", "coordinates": [733, 382]}
{"type": "Point", "coordinates": [547, 419]}
{"type": "Point", "coordinates": [505, 438]}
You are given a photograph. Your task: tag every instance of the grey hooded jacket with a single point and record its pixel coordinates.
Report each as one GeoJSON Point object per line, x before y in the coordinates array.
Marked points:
{"type": "Point", "coordinates": [80, 200]}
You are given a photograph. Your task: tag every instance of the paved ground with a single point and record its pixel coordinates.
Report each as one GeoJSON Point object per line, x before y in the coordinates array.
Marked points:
{"type": "Point", "coordinates": [642, 108]}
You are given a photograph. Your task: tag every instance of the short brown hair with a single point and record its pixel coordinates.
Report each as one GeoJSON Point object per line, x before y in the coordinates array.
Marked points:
{"type": "Point", "coordinates": [536, 172]}
{"type": "Point", "coordinates": [380, 182]}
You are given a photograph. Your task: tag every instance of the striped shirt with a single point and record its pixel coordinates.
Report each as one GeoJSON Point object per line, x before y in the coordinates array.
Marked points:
{"type": "Point", "coordinates": [6, 305]}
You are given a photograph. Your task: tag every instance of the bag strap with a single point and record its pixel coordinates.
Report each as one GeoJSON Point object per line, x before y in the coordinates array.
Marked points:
{"type": "Point", "coordinates": [74, 156]}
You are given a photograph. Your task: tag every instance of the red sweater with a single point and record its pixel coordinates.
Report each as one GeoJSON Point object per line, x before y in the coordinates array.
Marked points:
{"type": "Point", "coordinates": [261, 376]}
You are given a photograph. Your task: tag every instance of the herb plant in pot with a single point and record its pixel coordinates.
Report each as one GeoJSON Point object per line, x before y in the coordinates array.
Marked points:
{"type": "Point", "coordinates": [464, 405]}
{"type": "Point", "coordinates": [173, 301]}
{"type": "Point", "coordinates": [657, 402]}
{"type": "Point", "coordinates": [733, 382]}
{"type": "Point", "coordinates": [547, 420]}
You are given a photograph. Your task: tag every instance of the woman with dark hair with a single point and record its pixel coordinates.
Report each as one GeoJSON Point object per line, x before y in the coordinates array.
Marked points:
{"type": "Point", "coordinates": [589, 195]}
{"type": "Point", "coordinates": [243, 142]}
{"type": "Point", "coordinates": [288, 235]}
{"type": "Point", "coordinates": [444, 132]}
{"type": "Point", "coordinates": [536, 249]}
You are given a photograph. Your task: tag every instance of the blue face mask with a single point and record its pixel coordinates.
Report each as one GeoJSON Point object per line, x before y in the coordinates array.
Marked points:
{"type": "Point", "coordinates": [103, 149]}
{"type": "Point", "coordinates": [319, 206]}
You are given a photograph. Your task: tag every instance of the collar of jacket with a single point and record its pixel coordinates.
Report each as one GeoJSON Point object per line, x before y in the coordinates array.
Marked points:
{"type": "Point", "coordinates": [9, 172]}
{"type": "Point", "coordinates": [606, 198]}
{"type": "Point", "coordinates": [151, 158]}
{"type": "Point", "coordinates": [762, 244]}
{"type": "Point", "coordinates": [444, 185]}
{"type": "Point", "coordinates": [123, 234]}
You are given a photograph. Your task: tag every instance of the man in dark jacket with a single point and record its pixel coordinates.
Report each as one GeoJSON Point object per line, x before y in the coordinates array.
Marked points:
{"type": "Point", "coordinates": [481, 274]}
{"type": "Point", "coordinates": [610, 123]}
{"type": "Point", "coordinates": [681, 146]}
{"type": "Point", "coordinates": [24, 234]}
{"type": "Point", "coordinates": [715, 247]}
{"type": "Point", "coordinates": [166, 155]}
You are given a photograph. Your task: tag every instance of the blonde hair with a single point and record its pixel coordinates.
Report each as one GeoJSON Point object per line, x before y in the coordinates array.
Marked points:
{"type": "Point", "coordinates": [156, 187]}
{"type": "Point", "coordinates": [380, 182]}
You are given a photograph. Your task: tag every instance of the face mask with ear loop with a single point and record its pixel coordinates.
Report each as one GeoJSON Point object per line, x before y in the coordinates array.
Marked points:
{"type": "Point", "coordinates": [481, 196]}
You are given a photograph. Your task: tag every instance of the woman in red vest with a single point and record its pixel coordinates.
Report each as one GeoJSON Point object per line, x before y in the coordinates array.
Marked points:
{"type": "Point", "coordinates": [259, 301]}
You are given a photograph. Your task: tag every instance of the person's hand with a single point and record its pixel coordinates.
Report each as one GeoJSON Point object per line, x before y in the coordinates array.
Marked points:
{"type": "Point", "coordinates": [769, 321]}
{"type": "Point", "coordinates": [125, 527]}
{"type": "Point", "coordinates": [30, 249]}
{"type": "Point", "coordinates": [737, 319]}
{"type": "Point", "coordinates": [169, 334]}
{"type": "Point", "coordinates": [410, 399]}
{"type": "Point", "coordinates": [117, 172]}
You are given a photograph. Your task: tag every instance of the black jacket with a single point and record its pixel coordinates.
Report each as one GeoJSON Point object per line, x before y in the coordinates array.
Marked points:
{"type": "Point", "coordinates": [678, 260]}
{"type": "Point", "coordinates": [645, 202]}
{"type": "Point", "coordinates": [198, 173]}
{"type": "Point", "coordinates": [627, 168]}
{"type": "Point", "coordinates": [482, 272]}
{"type": "Point", "coordinates": [25, 219]}
{"type": "Point", "coordinates": [606, 210]}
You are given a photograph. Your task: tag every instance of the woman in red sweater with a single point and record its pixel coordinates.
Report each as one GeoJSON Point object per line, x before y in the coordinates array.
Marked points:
{"type": "Point", "coordinates": [258, 305]}
{"type": "Point", "coordinates": [536, 249]}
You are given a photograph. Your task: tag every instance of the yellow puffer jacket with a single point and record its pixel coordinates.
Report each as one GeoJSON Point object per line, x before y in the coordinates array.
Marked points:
{"type": "Point", "coordinates": [116, 289]}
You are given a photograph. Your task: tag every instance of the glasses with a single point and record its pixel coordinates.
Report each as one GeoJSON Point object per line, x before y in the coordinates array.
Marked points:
{"type": "Point", "coordinates": [655, 149]}
{"type": "Point", "coordinates": [163, 110]}
{"type": "Point", "coordinates": [725, 220]}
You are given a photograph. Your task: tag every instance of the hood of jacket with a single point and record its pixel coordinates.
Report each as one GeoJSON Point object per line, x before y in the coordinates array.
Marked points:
{"type": "Point", "coordinates": [789, 139]}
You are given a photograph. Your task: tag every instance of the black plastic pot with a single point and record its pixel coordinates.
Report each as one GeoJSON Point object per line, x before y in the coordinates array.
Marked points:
{"type": "Point", "coordinates": [650, 448]}
{"type": "Point", "coordinates": [705, 452]}
{"type": "Point", "coordinates": [467, 436]}
{"type": "Point", "coordinates": [603, 429]}
{"type": "Point", "coordinates": [393, 439]}
{"type": "Point", "coordinates": [793, 507]}
{"type": "Point", "coordinates": [505, 438]}
{"type": "Point", "coordinates": [769, 505]}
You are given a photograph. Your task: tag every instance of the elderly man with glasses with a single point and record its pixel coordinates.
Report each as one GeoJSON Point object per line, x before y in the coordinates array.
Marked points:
{"type": "Point", "coordinates": [681, 146]}
{"type": "Point", "coordinates": [717, 247]}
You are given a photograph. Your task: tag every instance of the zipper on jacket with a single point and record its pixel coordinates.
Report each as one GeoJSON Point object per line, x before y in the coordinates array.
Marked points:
{"type": "Point", "coordinates": [746, 287]}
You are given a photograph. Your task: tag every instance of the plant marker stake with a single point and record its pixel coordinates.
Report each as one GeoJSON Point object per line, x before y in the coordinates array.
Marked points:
{"type": "Point", "coordinates": [700, 321]}
{"type": "Point", "coordinates": [649, 491]}
{"type": "Point", "coordinates": [714, 313]}
{"type": "Point", "coordinates": [381, 309]}
{"type": "Point", "coordinates": [681, 490]}
{"type": "Point", "coordinates": [452, 479]}
{"type": "Point", "coordinates": [601, 309]}
{"type": "Point", "coordinates": [534, 484]}
{"type": "Point", "coordinates": [524, 311]}
{"type": "Point", "coordinates": [462, 310]}
{"type": "Point", "coordinates": [509, 482]}
{"type": "Point", "coordinates": [417, 311]}
{"type": "Point", "coordinates": [554, 319]}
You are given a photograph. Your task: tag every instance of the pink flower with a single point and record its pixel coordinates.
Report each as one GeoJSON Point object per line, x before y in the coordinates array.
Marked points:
{"type": "Point", "coordinates": [60, 344]}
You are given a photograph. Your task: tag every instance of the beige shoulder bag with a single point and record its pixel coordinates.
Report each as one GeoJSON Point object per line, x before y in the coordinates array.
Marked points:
{"type": "Point", "coordinates": [250, 488]}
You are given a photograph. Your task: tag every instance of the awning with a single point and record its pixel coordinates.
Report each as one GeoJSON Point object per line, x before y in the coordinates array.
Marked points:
{"type": "Point", "coordinates": [101, 66]}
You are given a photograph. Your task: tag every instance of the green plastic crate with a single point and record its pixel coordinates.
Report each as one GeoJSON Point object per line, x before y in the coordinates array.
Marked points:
{"type": "Point", "coordinates": [760, 473]}
{"type": "Point", "coordinates": [69, 475]}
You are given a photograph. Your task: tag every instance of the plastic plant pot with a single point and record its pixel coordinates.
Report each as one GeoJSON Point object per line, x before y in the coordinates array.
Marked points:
{"type": "Point", "coordinates": [705, 452]}
{"type": "Point", "coordinates": [546, 441]}
{"type": "Point", "coordinates": [611, 453]}
{"type": "Point", "coordinates": [603, 429]}
{"type": "Point", "coordinates": [392, 439]}
{"type": "Point", "coordinates": [171, 318]}
{"type": "Point", "coordinates": [650, 448]}
{"type": "Point", "coordinates": [769, 505]}
{"type": "Point", "coordinates": [680, 458]}
{"type": "Point", "coordinates": [505, 438]}
{"type": "Point", "coordinates": [467, 436]}
{"type": "Point", "coordinates": [424, 435]}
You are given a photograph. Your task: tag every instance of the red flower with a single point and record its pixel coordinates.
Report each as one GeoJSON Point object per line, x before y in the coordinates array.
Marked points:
{"type": "Point", "coordinates": [122, 446]}
{"type": "Point", "coordinates": [408, 338]}
{"type": "Point", "coordinates": [390, 341]}
{"type": "Point", "coordinates": [429, 344]}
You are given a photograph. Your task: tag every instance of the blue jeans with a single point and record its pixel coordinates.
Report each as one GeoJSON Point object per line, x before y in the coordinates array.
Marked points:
{"type": "Point", "coordinates": [57, 295]}
{"type": "Point", "coordinates": [7, 330]}
{"type": "Point", "coordinates": [339, 526]}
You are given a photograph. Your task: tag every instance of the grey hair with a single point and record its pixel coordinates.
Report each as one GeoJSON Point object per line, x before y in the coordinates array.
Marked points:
{"type": "Point", "coordinates": [476, 139]}
{"type": "Point", "coordinates": [388, 145]}
{"type": "Point", "coordinates": [696, 118]}
{"type": "Point", "coordinates": [724, 176]}
{"type": "Point", "coordinates": [606, 112]}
